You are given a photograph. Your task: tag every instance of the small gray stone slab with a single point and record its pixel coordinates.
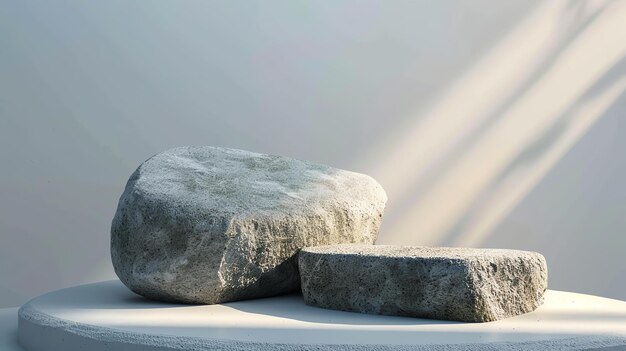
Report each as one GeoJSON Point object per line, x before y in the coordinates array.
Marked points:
{"type": "Point", "coordinates": [460, 284]}
{"type": "Point", "coordinates": [209, 224]}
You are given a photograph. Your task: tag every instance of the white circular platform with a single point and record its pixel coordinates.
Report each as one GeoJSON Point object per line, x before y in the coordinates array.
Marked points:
{"type": "Point", "coordinates": [107, 316]}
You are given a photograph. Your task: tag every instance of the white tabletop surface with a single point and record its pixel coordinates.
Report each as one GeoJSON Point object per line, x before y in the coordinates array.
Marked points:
{"type": "Point", "coordinates": [287, 320]}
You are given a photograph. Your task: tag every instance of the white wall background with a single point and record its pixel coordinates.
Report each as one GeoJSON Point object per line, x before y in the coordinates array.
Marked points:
{"type": "Point", "coordinates": [489, 123]}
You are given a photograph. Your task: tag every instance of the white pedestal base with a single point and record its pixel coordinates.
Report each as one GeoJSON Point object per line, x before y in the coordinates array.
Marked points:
{"type": "Point", "coordinates": [107, 316]}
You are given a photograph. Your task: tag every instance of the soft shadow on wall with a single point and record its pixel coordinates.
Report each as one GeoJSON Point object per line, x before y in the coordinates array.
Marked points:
{"type": "Point", "coordinates": [422, 95]}
{"type": "Point", "coordinates": [458, 176]}
{"type": "Point", "coordinates": [91, 89]}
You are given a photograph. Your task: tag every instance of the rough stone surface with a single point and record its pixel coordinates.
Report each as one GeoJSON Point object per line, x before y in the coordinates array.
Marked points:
{"type": "Point", "coordinates": [460, 284]}
{"type": "Point", "coordinates": [209, 225]}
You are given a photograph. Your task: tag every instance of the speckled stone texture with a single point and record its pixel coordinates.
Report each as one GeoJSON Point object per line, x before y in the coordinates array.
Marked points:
{"type": "Point", "coordinates": [459, 284]}
{"type": "Point", "coordinates": [209, 225]}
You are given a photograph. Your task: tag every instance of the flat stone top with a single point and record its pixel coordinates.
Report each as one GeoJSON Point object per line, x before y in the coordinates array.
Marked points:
{"type": "Point", "coordinates": [238, 181]}
{"type": "Point", "coordinates": [394, 251]}
{"type": "Point", "coordinates": [109, 312]}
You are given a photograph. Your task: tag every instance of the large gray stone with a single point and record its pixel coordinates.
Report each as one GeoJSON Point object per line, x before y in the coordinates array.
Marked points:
{"type": "Point", "coordinates": [469, 285]}
{"type": "Point", "coordinates": [209, 225]}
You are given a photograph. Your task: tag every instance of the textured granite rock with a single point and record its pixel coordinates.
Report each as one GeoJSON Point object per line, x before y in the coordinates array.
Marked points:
{"type": "Point", "coordinates": [209, 225]}
{"type": "Point", "coordinates": [461, 284]}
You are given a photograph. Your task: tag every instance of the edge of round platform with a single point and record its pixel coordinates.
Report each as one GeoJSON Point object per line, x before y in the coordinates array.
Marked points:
{"type": "Point", "coordinates": [39, 331]}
